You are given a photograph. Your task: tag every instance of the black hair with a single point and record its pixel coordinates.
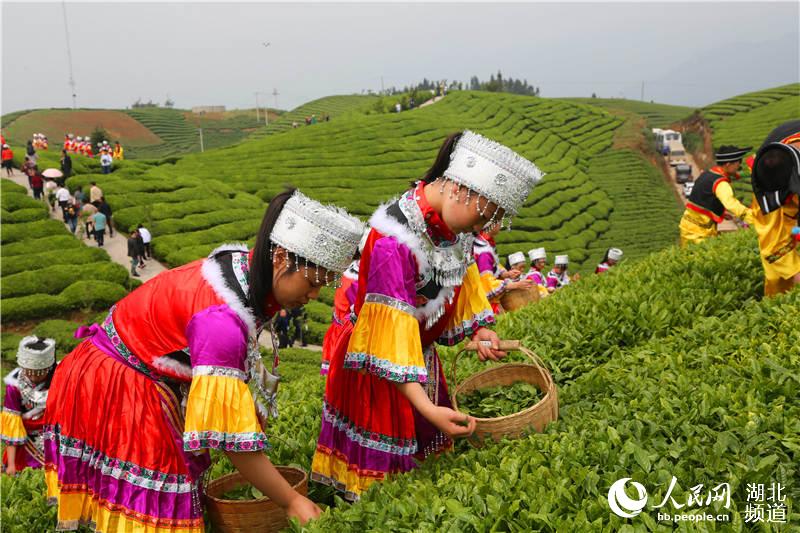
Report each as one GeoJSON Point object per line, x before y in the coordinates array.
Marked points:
{"type": "Point", "coordinates": [260, 275]}
{"type": "Point", "coordinates": [442, 158]}
{"type": "Point", "coordinates": [605, 257]}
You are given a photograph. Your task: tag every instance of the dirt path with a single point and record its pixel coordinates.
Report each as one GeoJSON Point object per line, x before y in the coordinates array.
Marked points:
{"type": "Point", "coordinates": [117, 249]}
{"type": "Point", "coordinates": [116, 246]}
{"type": "Point", "coordinates": [431, 101]}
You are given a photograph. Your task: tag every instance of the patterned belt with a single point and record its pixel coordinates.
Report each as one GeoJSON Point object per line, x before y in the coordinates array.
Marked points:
{"type": "Point", "coordinates": [699, 220]}
{"type": "Point", "coordinates": [782, 251]}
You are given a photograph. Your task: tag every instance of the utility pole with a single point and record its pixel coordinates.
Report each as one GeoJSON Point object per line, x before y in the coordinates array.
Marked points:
{"type": "Point", "coordinates": [69, 56]}
{"type": "Point", "coordinates": [275, 93]}
{"type": "Point", "coordinates": [202, 148]}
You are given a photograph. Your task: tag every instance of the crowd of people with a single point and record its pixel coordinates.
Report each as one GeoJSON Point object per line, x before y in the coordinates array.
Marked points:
{"type": "Point", "coordinates": [174, 370]}
{"type": "Point", "coordinates": [83, 145]}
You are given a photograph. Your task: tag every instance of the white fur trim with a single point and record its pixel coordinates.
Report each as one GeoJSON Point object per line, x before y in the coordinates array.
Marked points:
{"type": "Point", "coordinates": [431, 306]}
{"type": "Point", "coordinates": [172, 367]}
{"type": "Point", "coordinates": [391, 227]}
{"type": "Point", "coordinates": [12, 378]}
{"type": "Point", "coordinates": [230, 247]}
{"type": "Point", "coordinates": [212, 273]}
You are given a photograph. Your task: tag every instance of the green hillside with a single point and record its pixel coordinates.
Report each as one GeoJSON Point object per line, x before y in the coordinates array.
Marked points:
{"type": "Point", "coordinates": [656, 115]}
{"type": "Point", "coordinates": [745, 120]}
{"type": "Point", "coordinates": [333, 106]}
{"type": "Point", "coordinates": [359, 161]}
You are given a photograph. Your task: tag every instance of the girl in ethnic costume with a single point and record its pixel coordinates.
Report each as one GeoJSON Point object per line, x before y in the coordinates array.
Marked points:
{"type": "Point", "coordinates": [538, 257]}
{"type": "Point", "coordinates": [495, 279]}
{"type": "Point", "coordinates": [558, 277]}
{"type": "Point", "coordinates": [386, 401]}
{"type": "Point", "coordinates": [23, 408]}
{"type": "Point", "coordinates": [166, 379]}
{"type": "Point", "coordinates": [612, 257]}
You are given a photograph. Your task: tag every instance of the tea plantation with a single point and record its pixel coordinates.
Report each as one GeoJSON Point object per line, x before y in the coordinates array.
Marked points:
{"type": "Point", "coordinates": [670, 366]}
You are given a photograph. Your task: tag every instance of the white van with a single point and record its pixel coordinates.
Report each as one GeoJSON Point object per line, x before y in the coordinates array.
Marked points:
{"type": "Point", "coordinates": [677, 153]}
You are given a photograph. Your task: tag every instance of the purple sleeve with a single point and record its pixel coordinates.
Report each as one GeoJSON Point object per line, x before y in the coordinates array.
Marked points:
{"type": "Point", "coordinates": [217, 337]}
{"type": "Point", "coordinates": [13, 399]}
{"type": "Point", "coordinates": [485, 262]}
{"type": "Point", "coordinates": [352, 292]}
{"type": "Point", "coordinates": [552, 282]}
{"type": "Point", "coordinates": [392, 271]}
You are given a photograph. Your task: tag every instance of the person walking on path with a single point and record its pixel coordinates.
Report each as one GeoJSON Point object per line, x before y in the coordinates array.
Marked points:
{"type": "Point", "coordinates": [95, 193]}
{"type": "Point", "coordinates": [134, 252]}
{"type": "Point", "coordinates": [29, 168]}
{"type": "Point", "coordinates": [104, 208]}
{"type": "Point", "coordinates": [80, 195]}
{"type": "Point", "coordinates": [8, 159]}
{"type": "Point", "coordinates": [105, 162]}
{"type": "Point", "coordinates": [99, 220]}
{"type": "Point", "coordinates": [31, 152]}
{"type": "Point", "coordinates": [66, 164]}
{"type": "Point", "coordinates": [50, 188]}
{"type": "Point", "coordinates": [140, 249]}
{"type": "Point", "coordinates": [87, 218]}
{"type": "Point", "coordinates": [63, 198]}
{"type": "Point", "coordinates": [146, 239]}
{"type": "Point", "coordinates": [119, 152]}
{"type": "Point", "coordinates": [71, 216]}
{"type": "Point", "coordinates": [37, 186]}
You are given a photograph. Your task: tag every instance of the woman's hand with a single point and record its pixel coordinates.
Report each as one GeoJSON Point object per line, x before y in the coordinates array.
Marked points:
{"type": "Point", "coordinates": [491, 351]}
{"type": "Point", "coordinates": [452, 423]}
{"type": "Point", "coordinates": [521, 284]}
{"type": "Point", "coordinates": [303, 509]}
{"type": "Point", "coordinates": [510, 274]}
{"type": "Point", "coordinates": [11, 470]}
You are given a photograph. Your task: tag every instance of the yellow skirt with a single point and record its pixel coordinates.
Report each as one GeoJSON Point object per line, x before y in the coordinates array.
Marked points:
{"type": "Point", "coordinates": [696, 228]}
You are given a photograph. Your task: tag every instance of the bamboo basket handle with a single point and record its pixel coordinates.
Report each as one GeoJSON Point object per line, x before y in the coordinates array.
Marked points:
{"type": "Point", "coordinates": [506, 346]}
{"type": "Point", "coordinates": [539, 364]}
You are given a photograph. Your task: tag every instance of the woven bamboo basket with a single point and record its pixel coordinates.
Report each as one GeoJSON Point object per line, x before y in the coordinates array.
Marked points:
{"type": "Point", "coordinates": [240, 516]}
{"type": "Point", "coordinates": [517, 424]}
{"type": "Point", "coordinates": [519, 298]}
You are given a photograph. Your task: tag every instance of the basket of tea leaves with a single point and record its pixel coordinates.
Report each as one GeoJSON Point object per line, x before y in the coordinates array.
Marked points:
{"type": "Point", "coordinates": [235, 506]}
{"type": "Point", "coordinates": [509, 399]}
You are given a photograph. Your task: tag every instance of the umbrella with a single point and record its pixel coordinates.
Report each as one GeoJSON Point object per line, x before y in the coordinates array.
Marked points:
{"type": "Point", "coordinates": [52, 173]}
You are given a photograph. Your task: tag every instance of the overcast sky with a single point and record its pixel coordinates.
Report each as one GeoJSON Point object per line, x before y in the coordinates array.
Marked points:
{"type": "Point", "coordinates": [212, 53]}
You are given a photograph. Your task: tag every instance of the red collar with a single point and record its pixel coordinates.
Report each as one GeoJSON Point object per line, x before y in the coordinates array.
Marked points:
{"type": "Point", "coordinates": [718, 170]}
{"type": "Point", "coordinates": [436, 226]}
{"type": "Point", "coordinates": [488, 238]}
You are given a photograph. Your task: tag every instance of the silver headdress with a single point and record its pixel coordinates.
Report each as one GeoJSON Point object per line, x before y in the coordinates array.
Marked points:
{"type": "Point", "coordinates": [324, 235]}
{"type": "Point", "coordinates": [35, 353]}
{"type": "Point", "coordinates": [516, 257]}
{"type": "Point", "coordinates": [493, 171]}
